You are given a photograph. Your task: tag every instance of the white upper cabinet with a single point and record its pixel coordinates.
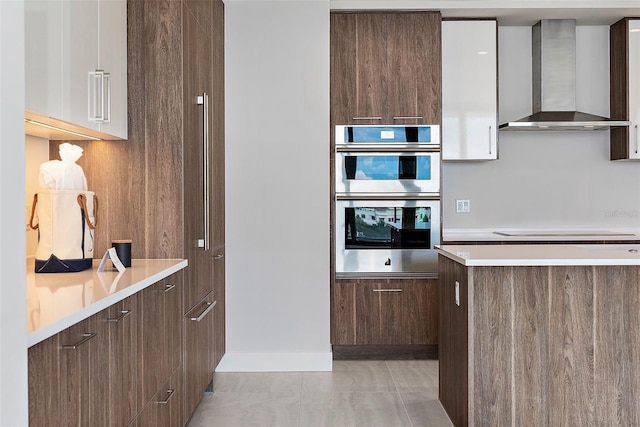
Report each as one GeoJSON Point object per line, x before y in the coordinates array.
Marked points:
{"type": "Point", "coordinates": [469, 90]}
{"type": "Point", "coordinates": [634, 87]}
{"type": "Point", "coordinates": [76, 62]}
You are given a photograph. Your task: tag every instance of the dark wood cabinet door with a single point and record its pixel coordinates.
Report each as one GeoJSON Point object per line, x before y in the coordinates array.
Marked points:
{"type": "Point", "coordinates": [173, 317]}
{"type": "Point", "coordinates": [217, 145]}
{"type": "Point", "coordinates": [368, 327]}
{"type": "Point", "coordinates": [198, 353]}
{"type": "Point", "coordinates": [414, 68]}
{"type": "Point", "coordinates": [84, 373]}
{"type": "Point", "coordinates": [122, 327]}
{"type": "Point", "coordinates": [343, 64]}
{"type": "Point", "coordinates": [372, 70]}
{"type": "Point", "coordinates": [153, 360]}
{"type": "Point", "coordinates": [197, 80]}
{"type": "Point", "coordinates": [219, 311]}
{"type": "Point", "coordinates": [343, 331]}
{"type": "Point", "coordinates": [44, 383]}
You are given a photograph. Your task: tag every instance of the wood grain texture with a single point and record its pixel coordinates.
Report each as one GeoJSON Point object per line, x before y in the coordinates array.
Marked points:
{"type": "Point", "coordinates": [617, 344]}
{"type": "Point", "coordinates": [123, 366]}
{"type": "Point", "coordinates": [414, 82]}
{"type": "Point", "coordinates": [492, 345]}
{"type": "Point", "coordinates": [343, 65]}
{"type": "Point", "coordinates": [619, 87]}
{"type": "Point", "coordinates": [385, 352]}
{"type": "Point", "coordinates": [371, 311]}
{"type": "Point", "coordinates": [219, 322]}
{"type": "Point", "coordinates": [531, 345]}
{"type": "Point", "coordinates": [372, 68]}
{"type": "Point", "coordinates": [217, 100]}
{"type": "Point", "coordinates": [44, 383]}
{"type": "Point", "coordinates": [572, 350]}
{"type": "Point", "coordinates": [453, 347]}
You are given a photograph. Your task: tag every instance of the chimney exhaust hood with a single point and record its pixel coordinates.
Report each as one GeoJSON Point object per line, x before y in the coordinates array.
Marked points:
{"type": "Point", "coordinates": [554, 83]}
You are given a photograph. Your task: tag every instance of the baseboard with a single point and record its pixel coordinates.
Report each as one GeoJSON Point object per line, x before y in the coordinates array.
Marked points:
{"type": "Point", "coordinates": [379, 352]}
{"type": "Point", "coordinates": [276, 362]}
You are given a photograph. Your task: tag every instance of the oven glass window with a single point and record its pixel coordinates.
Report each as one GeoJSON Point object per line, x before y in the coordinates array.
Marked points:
{"type": "Point", "coordinates": [387, 228]}
{"type": "Point", "coordinates": [387, 167]}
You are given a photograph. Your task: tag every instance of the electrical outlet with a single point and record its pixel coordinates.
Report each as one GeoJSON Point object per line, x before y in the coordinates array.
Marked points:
{"type": "Point", "coordinates": [462, 206]}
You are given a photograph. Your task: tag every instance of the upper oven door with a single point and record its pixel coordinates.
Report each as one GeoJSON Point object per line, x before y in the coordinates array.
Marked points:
{"type": "Point", "coordinates": [371, 137]}
{"type": "Point", "coordinates": [359, 172]}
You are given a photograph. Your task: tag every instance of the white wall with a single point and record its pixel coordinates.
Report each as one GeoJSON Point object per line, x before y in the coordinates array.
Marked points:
{"type": "Point", "coordinates": [547, 179]}
{"type": "Point", "coordinates": [277, 177]}
{"type": "Point", "coordinates": [13, 312]}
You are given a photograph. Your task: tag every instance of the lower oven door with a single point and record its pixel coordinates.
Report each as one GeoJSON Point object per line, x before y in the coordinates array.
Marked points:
{"type": "Point", "coordinates": [387, 236]}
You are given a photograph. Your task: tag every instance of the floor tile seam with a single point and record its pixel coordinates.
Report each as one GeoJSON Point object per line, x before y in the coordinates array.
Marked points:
{"type": "Point", "coordinates": [395, 384]}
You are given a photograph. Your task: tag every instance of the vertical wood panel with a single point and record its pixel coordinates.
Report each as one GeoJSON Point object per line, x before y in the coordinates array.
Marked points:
{"type": "Point", "coordinates": [343, 68]}
{"type": "Point", "coordinates": [617, 362]}
{"type": "Point", "coordinates": [372, 79]}
{"type": "Point", "coordinates": [44, 383]}
{"type": "Point", "coordinates": [344, 310]}
{"type": "Point", "coordinates": [492, 394]}
{"type": "Point", "coordinates": [531, 345]}
{"type": "Point", "coordinates": [619, 88]}
{"type": "Point", "coordinates": [571, 397]}
{"type": "Point", "coordinates": [367, 315]}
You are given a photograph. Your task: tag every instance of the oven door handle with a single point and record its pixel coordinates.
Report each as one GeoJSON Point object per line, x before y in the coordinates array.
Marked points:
{"type": "Point", "coordinates": [388, 196]}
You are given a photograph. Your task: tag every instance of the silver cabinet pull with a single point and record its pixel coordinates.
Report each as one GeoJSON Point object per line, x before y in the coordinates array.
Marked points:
{"type": "Point", "coordinates": [367, 118]}
{"type": "Point", "coordinates": [169, 394]}
{"type": "Point", "coordinates": [636, 138]}
{"type": "Point", "coordinates": [407, 118]}
{"type": "Point", "coordinates": [85, 337]}
{"type": "Point", "coordinates": [204, 101]}
{"type": "Point", "coordinates": [206, 311]}
{"type": "Point", "coordinates": [219, 256]}
{"type": "Point", "coordinates": [168, 287]}
{"type": "Point", "coordinates": [99, 96]}
{"type": "Point", "coordinates": [122, 315]}
{"type": "Point", "coordinates": [387, 290]}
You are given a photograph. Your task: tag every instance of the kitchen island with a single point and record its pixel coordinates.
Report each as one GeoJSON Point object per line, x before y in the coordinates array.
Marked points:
{"type": "Point", "coordinates": [541, 335]}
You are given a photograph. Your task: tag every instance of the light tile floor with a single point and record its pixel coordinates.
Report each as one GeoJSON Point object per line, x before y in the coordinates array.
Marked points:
{"type": "Point", "coordinates": [391, 393]}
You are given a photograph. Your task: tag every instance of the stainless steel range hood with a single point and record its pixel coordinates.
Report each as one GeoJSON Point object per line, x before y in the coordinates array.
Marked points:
{"type": "Point", "coordinates": [554, 83]}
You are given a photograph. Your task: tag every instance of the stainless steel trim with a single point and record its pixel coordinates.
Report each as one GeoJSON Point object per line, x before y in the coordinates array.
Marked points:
{"type": "Point", "coordinates": [340, 138]}
{"type": "Point", "coordinates": [122, 315]}
{"type": "Point", "coordinates": [585, 125]}
{"type": "Point", "coordinates": [490, 137]}
{"type": "Point", "coordinates": [170, 393]}
{"type": "Point", "coordinates": [219, 256]}
{"type": "Point", "coordinates": [85, 337]}
{"type": "Point", "coordinates": [387, 290]}
{"type": "Point", "coordinates": [204, 101]}
{"type": "Point", "coordinates": [386, 275]}
{"type": "Point", "coordinates": [367, 118]}
{"type": "Point", "coordinates": [388, 148]}
{"type": "Point", "coordinates": [407, 117]}
{"type": "Point", "coordinates": [636, 128]}
{"type": "Point", "coordinates": [388, 196]}
{"type": "Point", "coordinates": [206, 311]}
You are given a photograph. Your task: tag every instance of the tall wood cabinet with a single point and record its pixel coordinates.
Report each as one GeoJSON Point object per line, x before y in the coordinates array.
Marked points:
{"type": "Point", "coordinates": [385, 68]}
{"type": "Point", "coordinates": [175, 55]}
{"type": "Point", "coordinates": [625, 88]}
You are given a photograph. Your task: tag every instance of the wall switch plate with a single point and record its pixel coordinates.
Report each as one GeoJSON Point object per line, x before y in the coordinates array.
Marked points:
{"type": "Point", "coordinates": [458, 293]}
{"type": "Point", "coordinates": [462, 206]}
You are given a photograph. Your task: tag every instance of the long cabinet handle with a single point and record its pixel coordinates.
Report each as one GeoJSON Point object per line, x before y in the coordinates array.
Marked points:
{"type": "Point", "coordinates": [387, 290]}
{"type": "Point", "coordinates": [408, 118]}
{"type": "Point", "coordinates": [219, 256]}
{"type": "Point", "coordinates": [122, 315]}
{"type": "Point", "coordinates": [85, 337]}
{"type": "Point", "coordinates": [636, 129]}
{"type": "Point", "coordinates": [99, 96]}
{"type": "Point", "coordinates": [167, 288]}
{"type": "Point", "coordinates": [367, 118]}
{"type": "Point", "coordinates": [170, 393]}
{"type": "Point", "coordinates": [206, 311]}
{"type": "Point", "coordinates": [204, 101]}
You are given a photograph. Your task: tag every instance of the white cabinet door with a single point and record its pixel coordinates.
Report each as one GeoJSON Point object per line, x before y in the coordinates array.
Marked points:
{"type": "Point", "coordinates": [634, 88]}
{"type": "Point", "coordinates": [43, 56]}
{"type": "Point", "coordinates": [66, 41]}
{"type": "Point", "coordinates": [469, 90]}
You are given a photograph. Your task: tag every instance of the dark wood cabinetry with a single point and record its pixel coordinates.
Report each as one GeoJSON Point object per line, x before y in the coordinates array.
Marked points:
{"type": "Point", "coordinates": [385, 68]}
{"type": "Point", "coordinates": [386, 312]}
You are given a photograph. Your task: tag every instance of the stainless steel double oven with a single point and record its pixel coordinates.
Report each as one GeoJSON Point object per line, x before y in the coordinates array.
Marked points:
{"type": "Point", "coordinates": [387, 183]}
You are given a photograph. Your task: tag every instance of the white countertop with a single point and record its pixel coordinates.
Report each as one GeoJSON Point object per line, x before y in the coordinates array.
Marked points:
{"type": "Point", "coordinates": [502, 234]}
{"type": "Point", "coordinates": [56, 301]}
{"type": "Point", "coordinates": [542, 255]}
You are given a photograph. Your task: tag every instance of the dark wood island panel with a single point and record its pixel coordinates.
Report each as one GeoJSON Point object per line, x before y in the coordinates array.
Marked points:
{"type": "Point", "coordinates": [544, 346]}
